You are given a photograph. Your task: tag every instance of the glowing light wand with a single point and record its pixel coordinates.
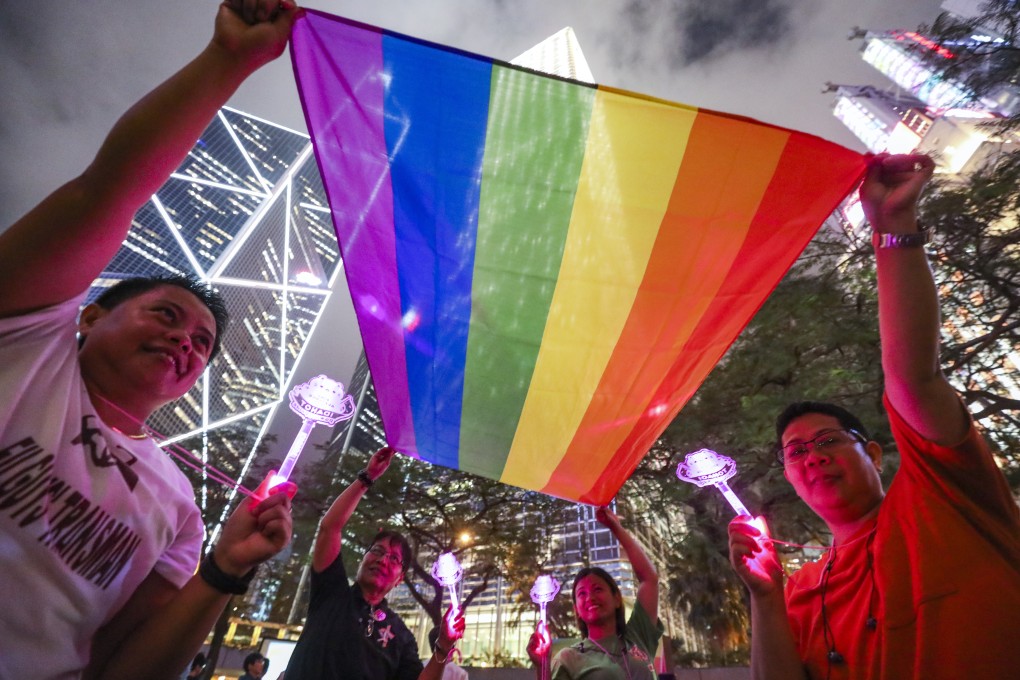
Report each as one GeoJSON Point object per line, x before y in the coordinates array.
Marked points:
{"type": "Point", "coordinates": [704, 467]}
{"type": "Point", "coordinates": [448, 572]}
{"type": "Point", "coordinates": [542, 593]}
{"type": "Point", "coordinates": [320, 401]}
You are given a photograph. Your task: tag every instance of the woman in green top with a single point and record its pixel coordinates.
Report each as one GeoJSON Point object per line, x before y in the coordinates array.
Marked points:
{"type": "Point", "coordinates": [612, 648]}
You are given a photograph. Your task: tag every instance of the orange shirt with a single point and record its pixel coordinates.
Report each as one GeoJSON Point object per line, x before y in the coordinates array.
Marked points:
{"type": "Point", "coordinates": [945, 584]}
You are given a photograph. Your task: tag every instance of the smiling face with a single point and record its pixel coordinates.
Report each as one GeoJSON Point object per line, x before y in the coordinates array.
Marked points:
{"type": "Point", "coordinates": [148, 350]}
{"type": "Point", "coordinates": [382, 568]}
{"type": "Point", "coordinates": [595, 603]}
{"type": "Point", "coordinates": [841, 481]}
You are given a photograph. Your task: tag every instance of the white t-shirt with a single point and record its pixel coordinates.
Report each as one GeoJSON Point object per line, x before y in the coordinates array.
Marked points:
{"type": "Point", "coordinates": [86, 513]}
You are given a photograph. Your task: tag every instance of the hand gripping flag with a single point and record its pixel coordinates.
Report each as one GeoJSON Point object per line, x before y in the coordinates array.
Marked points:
{"type": "Point", "coordinates": [544, 271]}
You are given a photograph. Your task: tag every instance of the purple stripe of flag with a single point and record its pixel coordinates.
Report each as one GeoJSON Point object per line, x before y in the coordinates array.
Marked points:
{"type": "Point", "coordinates": [347, 116]}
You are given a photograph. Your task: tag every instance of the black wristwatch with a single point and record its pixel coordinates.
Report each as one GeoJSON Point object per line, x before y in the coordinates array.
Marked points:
{"type": "Point", "coordinates": [220, 580]}
{"type": "Point", "coordinates": [365, 479]}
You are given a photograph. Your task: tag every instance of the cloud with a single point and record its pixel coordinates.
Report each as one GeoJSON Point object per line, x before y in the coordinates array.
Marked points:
{"type": "Point", "coordinates": [705, 29]}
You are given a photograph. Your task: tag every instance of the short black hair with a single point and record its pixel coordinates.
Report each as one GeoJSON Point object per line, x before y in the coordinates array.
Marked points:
{"type": "Point", "coordinates": [398, 538]}
{"type": "Point", "coordinates": [847, 420]}
{"type": "Point", "coordinates": [621, 619]}
{"type": "Point", "coordinates": [253, 658]}
{"type": "Point", "coordinates": [130, 288]}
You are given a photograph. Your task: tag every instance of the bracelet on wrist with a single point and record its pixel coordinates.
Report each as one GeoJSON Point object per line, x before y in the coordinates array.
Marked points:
{"type": "Point", "coordinates": [221, 580]}
{"type": "Point", "coordinates": [917, 239]}
{"type": "Point", "coordinates": [365, 479]}
{"type": "Point", "coordinates": [441, 658]}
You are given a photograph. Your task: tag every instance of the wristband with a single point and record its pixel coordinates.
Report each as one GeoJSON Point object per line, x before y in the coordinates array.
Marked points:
{"type": "Point", "coordinates": [918, 239]}
{"type": "Point", "coordinates": [365, 479]}
{"type": "Point", "coordinates": [441, 659]}
{"type": "Point", "coordinates": [222, 581]}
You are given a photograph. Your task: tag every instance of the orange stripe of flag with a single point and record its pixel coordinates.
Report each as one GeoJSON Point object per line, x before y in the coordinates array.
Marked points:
{"type": "Point", "coordinates": [795, 202]}
{"type": "Point", "coordinates": [715, 197]}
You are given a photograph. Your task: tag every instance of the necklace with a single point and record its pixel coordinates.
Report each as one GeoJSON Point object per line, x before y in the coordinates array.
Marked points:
{"type": "Point", "coordinates": [833, 656]}
{"type": "Point", "coordinates": [143, 435]}
{"type": "Point", "coordinates": [619, 658]}
{"type": "Point", "coordinates": [776, 541]}
{"type": "Point", "coordinates": [373, 616]}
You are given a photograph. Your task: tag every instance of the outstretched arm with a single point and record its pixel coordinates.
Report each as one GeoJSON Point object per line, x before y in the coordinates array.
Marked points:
{"type": "Point", "coordinates": [62, 244]}
{"type": "Point", "coordinates": [908, 305]}
{"type": "Point", "coordinates": [328, 540]}
{"type": "Point", "coordinates": [644, 570]}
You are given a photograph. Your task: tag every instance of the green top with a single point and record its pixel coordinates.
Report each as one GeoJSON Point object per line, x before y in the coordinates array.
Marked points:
{"type": "Point", "coordinates": [589, 659]}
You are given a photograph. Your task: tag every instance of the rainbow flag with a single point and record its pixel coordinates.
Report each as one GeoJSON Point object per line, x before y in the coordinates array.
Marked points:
{"type": "Point", "coordinates": [544, 271]}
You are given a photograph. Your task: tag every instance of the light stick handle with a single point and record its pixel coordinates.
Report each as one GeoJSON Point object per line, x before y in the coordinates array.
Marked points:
{"type": "Point", "coordinates": [295, 451]}
{"type": "Point", "coordinates": [542, 614]}
{"type": "Point", "coordinates": [454, 601]}
{"type": "Point", "coordinates": [732, 498]}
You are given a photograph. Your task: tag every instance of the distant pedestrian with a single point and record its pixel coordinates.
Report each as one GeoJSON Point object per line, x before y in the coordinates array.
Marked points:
{"type": "Point", "coordinates": [255, 667]}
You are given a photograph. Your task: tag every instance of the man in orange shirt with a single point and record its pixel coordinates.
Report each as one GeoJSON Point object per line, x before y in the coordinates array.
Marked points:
{"type": "Point", "coordinates": [923, 581]}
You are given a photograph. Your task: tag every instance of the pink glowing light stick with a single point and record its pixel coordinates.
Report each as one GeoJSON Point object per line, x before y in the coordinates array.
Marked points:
{"type": "Point", "coordinates": [320, 401]}
{"type": "Point", "coordinates": [704, 467]}
{"type": "Point", "coordinates": [448, 572]}
{"type": "Point", "coordinates": [543, 592]}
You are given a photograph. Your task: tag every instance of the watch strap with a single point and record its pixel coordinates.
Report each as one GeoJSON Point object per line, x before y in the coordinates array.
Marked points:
{"type": "Point", "coordinates": [220, 580]}
{"type": "Point", "coordinates": [917, 239]}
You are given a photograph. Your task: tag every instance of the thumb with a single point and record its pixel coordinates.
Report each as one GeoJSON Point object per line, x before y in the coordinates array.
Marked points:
{"type": "Point", "coordinates": [262, 492]}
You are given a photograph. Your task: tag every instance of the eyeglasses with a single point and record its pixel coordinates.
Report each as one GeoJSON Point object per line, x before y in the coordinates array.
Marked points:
{"type": "Point", "coordinates": [380, 553]}
{"type": "Point", "coordinates": [796, 451]}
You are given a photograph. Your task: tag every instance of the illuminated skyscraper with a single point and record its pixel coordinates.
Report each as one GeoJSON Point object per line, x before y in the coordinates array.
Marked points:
{"type": "Point", "coordinates": [883, 120]}
{"type": "Point", "coordinates": [924, 108]}
{"type": "Point", "coordinates": [930, 113]}
{"type": "Point", "coordinates": [245, 212]}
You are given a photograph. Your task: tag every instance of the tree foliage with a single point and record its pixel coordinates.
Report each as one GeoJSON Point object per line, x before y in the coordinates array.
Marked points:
{"type": "Point", "coordinates": [984, 64]}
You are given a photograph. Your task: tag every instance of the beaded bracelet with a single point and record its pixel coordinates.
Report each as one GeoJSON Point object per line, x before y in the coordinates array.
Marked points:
{"type": "Point", "coordinates": [221, 580]}
{"type": "Point", "coordinates": [365, 479]}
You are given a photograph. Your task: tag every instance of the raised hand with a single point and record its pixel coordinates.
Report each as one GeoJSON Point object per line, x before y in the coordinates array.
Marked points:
{"type": "Point", "coordinates": [451, 630]}
{"type": "Point", "coordinates": [379, 462]}
{"type": "Point", "coordinates": [607, 518]}
{"type": "Point", "coordinates": [254, 31]}
{"type": "Point", "coordinates": [539, 644]}
{"type": "Point", "coordinates": [891, 188]}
